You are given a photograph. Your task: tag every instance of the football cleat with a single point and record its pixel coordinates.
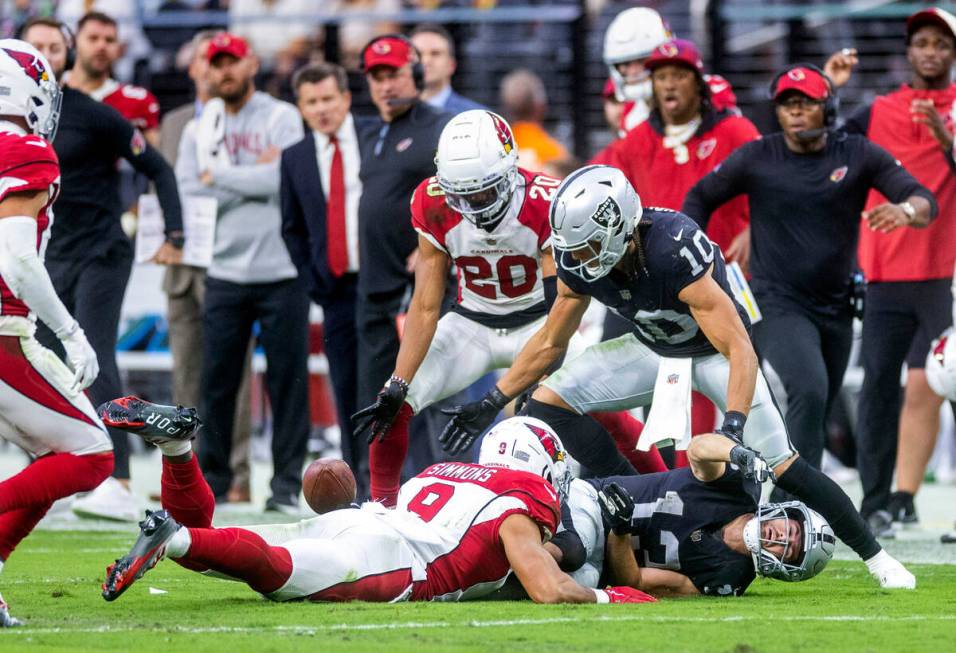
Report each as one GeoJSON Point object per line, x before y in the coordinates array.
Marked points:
{"type": "Point", "coordinates": [155, 532]}
{"type": "Point", "coordinates": [6, 621]}
{"type": "Point", "coordinates": [155, 423]}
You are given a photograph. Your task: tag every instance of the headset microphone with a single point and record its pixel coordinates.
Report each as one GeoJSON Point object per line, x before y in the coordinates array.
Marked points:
{"type": "Point", "coordinates": [809, 135]}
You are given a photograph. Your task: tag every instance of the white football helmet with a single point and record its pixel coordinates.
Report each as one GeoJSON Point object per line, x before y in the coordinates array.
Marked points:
{"type": "Point", "coordinates": [28, 87]}
{"type": "Point", "coordinates": [633, 35]}
{"type": "Point", "coordinates": [477, 165]}
{"type": "Point", "coordinates": [527, 444]}
{"type": "Point", "coordinates": [817, 542]}
{"type": "Point", "coordinates": [595, 207]}
{"type": "Point", "coordinates": [941, 365]}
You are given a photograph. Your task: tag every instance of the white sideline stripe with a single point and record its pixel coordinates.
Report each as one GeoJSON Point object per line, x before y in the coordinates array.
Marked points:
{"type": "Point", "coordinates": [312, 630]}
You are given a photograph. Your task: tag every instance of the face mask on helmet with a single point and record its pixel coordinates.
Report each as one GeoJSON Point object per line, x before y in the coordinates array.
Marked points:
{"type": "Point", "coordinates": [484, 204]}
{"type": "Point", "coordinates": [632, 36]}
{"type": "Point", "coordinates": [29, 88]}
{"type": "Point", "coordinates": [777, 553]}
{"type": "Point", "coordinates": [529, 445]}
{"type": "Point", "coordinates": [477, 166]}
{"type": "Point", "coordinates": [592, 220]}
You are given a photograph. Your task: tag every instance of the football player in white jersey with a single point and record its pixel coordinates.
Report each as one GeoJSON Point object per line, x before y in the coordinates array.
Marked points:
{"type": "Point", "coordinates": [490, 218]}
{"type": "Point", "coordinates": [457, 532]}
{"type": "Point", "coordinates": [42, 406]}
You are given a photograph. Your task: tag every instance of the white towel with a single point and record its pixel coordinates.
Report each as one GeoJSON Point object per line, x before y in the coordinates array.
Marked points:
{"type": "Point", "coordinates": [211, 149]}
{"type": "Point", "coordinates": [669, 420]}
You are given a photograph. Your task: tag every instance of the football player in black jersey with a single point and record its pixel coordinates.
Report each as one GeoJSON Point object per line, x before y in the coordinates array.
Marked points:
{"type": "Point", "coordinates": [700, 530]}
{"type": "Point", "coordinates": [656, 268]}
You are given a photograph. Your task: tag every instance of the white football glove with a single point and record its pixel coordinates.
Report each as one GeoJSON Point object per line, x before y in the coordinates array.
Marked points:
{"type": "Point", "coordinates": [82, 358]}
{"type": "Point", "coordinates": [211, 149]}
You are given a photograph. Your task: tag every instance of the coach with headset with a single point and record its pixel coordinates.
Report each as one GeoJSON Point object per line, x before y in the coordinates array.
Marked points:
{"type": "Point", "coordinates": [398, 152]}
{"type": "Point", "coordinates": [807, 188]}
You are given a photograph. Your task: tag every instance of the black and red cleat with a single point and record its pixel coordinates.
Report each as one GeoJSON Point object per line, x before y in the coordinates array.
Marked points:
{"type": "Point", "coordinates": [155, 423]}
{"type": "Point", "coordinates": [155, 532]}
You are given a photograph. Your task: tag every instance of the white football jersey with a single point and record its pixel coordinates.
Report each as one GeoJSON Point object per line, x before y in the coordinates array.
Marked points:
{"type": "Point", "coordinates": [499, 272]}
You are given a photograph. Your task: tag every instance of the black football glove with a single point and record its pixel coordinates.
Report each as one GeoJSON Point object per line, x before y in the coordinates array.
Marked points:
{"type": "Point", "coordinates": [380, 415]}
{"type": "Point", "coordinates": [470, 420]}
{"type": "Point", "coordinates": [751, 464]}
{"type": "Point", "coordinates": [733, 426]}
{"type": "Point", "coordinates": [617, 506]}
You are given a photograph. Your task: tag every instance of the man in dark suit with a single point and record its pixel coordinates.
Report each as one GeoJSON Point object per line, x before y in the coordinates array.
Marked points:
{"type": "Point", "coordinates": [319, 192]}
{"type": "Point", "coordinates": [437, 49]}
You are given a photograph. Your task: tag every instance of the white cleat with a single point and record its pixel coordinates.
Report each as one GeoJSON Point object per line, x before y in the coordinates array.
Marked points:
{"type": "Point", "coordinates": [110, 500]}
{"type": "Point", "coordinates": [891, 574]}
{"type": "Point", "coordinates": [6, 621]}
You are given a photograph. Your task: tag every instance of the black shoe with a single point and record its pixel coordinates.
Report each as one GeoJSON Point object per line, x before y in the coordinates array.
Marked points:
{"type": "Point", "coordinates": [881, 524]}
{"type": "Point", "coordinates": [287, 505]}
{"type": "Point", "coordinates": [155, 423]}
{"type": "Point", "coordinates": [948, 538]}
{"type": "Point", "coordinates": [155, 532]}
{"type": "Point", "coordinates": [901, 508]}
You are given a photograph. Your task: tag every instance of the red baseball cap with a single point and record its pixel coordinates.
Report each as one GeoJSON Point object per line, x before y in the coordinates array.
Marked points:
{"type": "Point", "coordinates": [935, 16]}
{"type": "Point", "coordinates": [387, 51]}
{"type": "Point", "coordinates": [226, 43]}
{"type": "Point", "coordinates": [803, 80]}
{"type": "Point", "coordinates": [676, 51]}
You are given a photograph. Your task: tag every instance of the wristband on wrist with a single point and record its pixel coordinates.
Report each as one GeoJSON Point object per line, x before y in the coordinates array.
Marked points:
{"type": "Point", "coordinates": [400, 382]}
{"type": "Point", "coordinates": [601, 596]}
{"type": "Point", "coordinates": [497, 397]}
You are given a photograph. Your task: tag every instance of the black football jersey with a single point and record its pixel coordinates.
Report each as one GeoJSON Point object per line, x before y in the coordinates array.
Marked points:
{"type": "Point", "coordinates": [677, 521]}
{"type": "Point", "coordinates": [677, 254]}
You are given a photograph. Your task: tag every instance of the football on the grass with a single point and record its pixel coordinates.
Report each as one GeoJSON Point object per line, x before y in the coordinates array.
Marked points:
{"type": "Point", "coordinates": [328, 484]}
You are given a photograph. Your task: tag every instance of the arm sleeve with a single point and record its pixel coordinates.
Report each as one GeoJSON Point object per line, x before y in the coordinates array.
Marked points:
{"type": "Point", "coordinates": [262, 179]}
{"type": "Point", "coordinates": [892, 179]}
{"type": "Point", "coordinates": [859, 122]}
{"type": "Point", "coordinates": [718, 187]}
{"type": "Point", "coordinates": [294, 231]}
{"type": "Point", "coordinates": [130, 144]}
{"type": "Point", "coordinates": [26, 277]}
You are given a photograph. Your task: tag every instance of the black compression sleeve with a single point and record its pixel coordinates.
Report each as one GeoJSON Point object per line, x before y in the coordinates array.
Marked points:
{"type": "Point", "coordinates": [573, 554]}
{"type": "Point", "coordinates": [550, 291]}
{"type": "Point", "coordinates": [815, 488]}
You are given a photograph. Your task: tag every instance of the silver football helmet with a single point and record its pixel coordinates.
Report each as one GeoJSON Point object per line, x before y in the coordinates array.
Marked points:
{"type": "Point", "coordinates": [816, 538]}
{"type": "Point", "coordinates": [594, 210]}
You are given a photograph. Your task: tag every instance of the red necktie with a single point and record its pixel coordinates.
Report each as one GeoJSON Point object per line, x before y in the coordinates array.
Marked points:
{"type": "Point", "coordinates": [336, 244]}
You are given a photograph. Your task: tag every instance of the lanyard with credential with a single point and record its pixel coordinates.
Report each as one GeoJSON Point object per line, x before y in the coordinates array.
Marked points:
{"type": "Point", "coordinates": [380, 143]}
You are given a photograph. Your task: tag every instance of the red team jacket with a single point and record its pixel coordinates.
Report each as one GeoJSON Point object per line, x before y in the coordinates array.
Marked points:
{"type": "Point", "coordinates": [912, 254]}
{"type": "Point", "coordinates": [661, 181]}
{"type": "Point", "coordinates": [27, 163]}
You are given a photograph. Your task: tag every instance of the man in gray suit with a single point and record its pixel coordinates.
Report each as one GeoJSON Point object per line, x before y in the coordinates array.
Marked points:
{"type": "Point", "coordinates": [184, 286]}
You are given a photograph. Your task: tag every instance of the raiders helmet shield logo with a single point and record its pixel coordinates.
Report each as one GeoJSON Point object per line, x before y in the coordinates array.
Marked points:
{"type": "Point", "coordinates": [503, 132]}
{"type": "Point", "coordinates": [31, 65]}
{"type": "Point", "coordinates": [608, 214]}
{"type": "Point", "coordinates": [837, 175]}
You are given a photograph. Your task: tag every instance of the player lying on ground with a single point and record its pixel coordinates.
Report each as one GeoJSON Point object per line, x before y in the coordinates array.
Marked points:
{"type": "Point", "coordinates": [696, 530]}
{"type": "Point", "coordinates": [656, 268]}
{"type": "Point", "coordinates": [490, 217]}
{"type": "Point", "coordinates": [457, 531]}
{"type": "Point", "coordinates": [42, 406]}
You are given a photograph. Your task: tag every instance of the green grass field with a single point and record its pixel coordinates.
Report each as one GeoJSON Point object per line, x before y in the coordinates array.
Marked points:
{"type": "Point", "coordinates": [53, 579]}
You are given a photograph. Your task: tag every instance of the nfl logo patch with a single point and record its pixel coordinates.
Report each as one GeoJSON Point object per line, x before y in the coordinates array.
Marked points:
{"type": "Point", "coordinates": [672, 378]}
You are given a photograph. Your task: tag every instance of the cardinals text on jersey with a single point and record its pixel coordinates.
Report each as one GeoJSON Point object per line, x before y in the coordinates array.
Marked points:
{"type": "Point", "coordinates": [27, 163]}
{"type": "Point", "coordinates": [499, 272]}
